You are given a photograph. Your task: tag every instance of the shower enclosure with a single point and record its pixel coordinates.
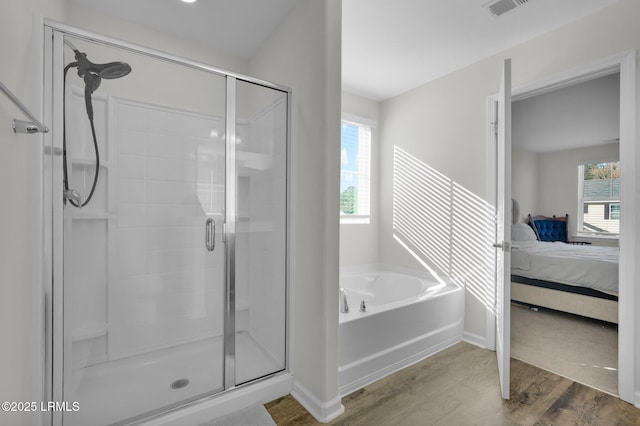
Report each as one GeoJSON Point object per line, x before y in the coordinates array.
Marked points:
{"type": "Point", "coordinates": [169, 259]}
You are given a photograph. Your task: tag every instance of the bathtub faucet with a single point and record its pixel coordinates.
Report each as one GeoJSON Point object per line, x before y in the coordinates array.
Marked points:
{"type": "Point", "coordinates": [344, 306]}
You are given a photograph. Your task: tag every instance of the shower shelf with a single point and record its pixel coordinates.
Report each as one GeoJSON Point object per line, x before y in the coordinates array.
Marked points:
{"type": "Point", "coordinates": [250, 227]}
{"type": "Point", "coordinates": [79, 162]}
{"type": "Point", "coordinates": [79, 215]}
{"type": "Point", "coordinates": [89, 332]}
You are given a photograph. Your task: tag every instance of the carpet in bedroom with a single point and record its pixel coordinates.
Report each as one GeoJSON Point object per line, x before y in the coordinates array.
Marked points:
{"type": "Point", "coordinates": [578, 348]}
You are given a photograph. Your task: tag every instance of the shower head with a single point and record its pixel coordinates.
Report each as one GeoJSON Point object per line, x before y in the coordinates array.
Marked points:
{"type": "Point", "coordinates": [113, 70]}
{"type": "Point", "coordinates": [92, 74]}
{"type": "Point", "coordinates": [108, 71]}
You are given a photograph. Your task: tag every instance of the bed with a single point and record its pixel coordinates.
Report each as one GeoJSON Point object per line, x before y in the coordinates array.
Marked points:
{"type": "Point", "coordinates": [579, 279]}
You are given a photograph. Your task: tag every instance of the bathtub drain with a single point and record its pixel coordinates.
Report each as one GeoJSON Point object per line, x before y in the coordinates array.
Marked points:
{"type": "Point", "coordinates": [179, 384]}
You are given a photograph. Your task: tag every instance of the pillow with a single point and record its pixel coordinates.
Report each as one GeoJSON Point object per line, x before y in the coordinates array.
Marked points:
{"type": "Point", "coordinates": [522, 232]}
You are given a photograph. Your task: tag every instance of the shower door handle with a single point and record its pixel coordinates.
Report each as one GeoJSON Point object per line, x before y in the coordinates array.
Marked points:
{"type": "Point", "coordinates": [210, 234]}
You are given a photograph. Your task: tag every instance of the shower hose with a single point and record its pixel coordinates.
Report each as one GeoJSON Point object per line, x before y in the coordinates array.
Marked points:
{"type": "Point", "coordinates": [64, 141]}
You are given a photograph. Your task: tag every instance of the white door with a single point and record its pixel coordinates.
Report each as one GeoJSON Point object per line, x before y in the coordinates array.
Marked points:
{"type": "Point", "coordinates": [503, 233]}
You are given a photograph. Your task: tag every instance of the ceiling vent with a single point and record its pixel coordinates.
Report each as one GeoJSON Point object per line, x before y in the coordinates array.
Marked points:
{"type": "Point", "coordinates": [500, 7]}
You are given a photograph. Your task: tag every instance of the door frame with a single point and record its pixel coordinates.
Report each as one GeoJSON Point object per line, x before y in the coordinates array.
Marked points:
{"type": "Point", "coordinates": [625, 64]}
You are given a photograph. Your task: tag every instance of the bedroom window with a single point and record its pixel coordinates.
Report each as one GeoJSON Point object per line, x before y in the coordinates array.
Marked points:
{"type": "Point", "coordinates": [355, 170]}
{"type": "Point", "coordinates": [599, 199]}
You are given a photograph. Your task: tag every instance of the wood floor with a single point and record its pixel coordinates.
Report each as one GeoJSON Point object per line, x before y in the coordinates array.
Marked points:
{"type": "Point", "coordinates": [459, 386]}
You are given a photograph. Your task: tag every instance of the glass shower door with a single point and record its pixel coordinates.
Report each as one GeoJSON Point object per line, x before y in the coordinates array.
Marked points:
{"type": "Point", "coordinates": [260, 162]}
{"type": "Point", "coordinates": [144, 261]}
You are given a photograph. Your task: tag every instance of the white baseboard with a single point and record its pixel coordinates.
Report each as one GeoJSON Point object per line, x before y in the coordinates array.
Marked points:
{"type": "Point", "coordinates": [474, 339]}
{"type": "Point", "coordinates": [322, 411]}
{"type": "Point", "coordinates": [637, 399]}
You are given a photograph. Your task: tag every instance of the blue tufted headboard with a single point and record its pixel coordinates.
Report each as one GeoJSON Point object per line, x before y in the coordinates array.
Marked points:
{"type": "Point", "coordinates": [550, 228]}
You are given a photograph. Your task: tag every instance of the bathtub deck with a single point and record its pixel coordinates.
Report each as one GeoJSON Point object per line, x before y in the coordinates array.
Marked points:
{"type": "Point", "coordinates": [460, 386]}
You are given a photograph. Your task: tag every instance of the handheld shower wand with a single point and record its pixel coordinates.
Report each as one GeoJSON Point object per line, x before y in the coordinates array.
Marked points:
{"type": "Point", "coordinates": [92, 74]}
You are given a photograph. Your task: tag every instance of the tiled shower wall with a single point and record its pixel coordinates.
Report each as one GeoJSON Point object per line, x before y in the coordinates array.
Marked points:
{"type": "Point", "coordinates": [167, 288]}
{"type": "Point", "coordinates": [137, 275]}
{"type": "Point", "coordinates": [140, 278]}
{"type": "Point", "coordinates": [261, 240]}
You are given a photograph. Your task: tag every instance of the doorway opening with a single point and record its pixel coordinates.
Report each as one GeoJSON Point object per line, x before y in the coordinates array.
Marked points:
{"type": "Point", "coordinates": [565, 163]}
{"type": "Point", "coordinates": [624, 64]}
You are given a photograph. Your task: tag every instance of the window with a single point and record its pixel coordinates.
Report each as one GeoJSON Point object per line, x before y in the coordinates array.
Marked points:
{"type": "Point", "coordinates": [599, 199]}
{"type": "Point", "coordinates": [614, 211]}
{"type": "Point", "coordinates": [355, 167]}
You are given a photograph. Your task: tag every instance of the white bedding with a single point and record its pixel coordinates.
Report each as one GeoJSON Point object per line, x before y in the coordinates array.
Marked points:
{"type": "Point", "coordinates": [580, 265]}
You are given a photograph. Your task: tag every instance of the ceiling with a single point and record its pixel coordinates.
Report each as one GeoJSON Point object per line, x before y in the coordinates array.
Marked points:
{"type": "Point", "coordinates": [389, 46]}
{"type": "Point", "coordinates": [233, 26]}
{"type": "Point", "coordinates": [392, 46]}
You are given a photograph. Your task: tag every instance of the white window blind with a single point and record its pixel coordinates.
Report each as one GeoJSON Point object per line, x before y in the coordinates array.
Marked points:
{"type": "Point", "coordinates": [355, 172]}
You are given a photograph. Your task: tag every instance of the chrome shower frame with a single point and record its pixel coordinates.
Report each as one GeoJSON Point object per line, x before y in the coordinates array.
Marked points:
{"type": "Point", "coordinates": [53, 253]}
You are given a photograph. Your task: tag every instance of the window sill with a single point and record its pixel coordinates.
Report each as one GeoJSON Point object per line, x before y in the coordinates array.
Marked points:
{"type": "Point", "coordinates": [357, 220]}
{"type": "Point", "coordinates": [596, 237]}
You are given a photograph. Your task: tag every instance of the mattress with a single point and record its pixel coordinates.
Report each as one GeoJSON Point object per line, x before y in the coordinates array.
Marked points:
{"type": "Point", "coordinates": [588, 266]}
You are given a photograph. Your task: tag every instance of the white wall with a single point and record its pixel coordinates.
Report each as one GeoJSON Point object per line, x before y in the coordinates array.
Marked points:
{"type": "Point", "coordinates": [524, 180]}
{"type": "Point", "coordinates": [557, 183]}
{"type": "Point", "coordinates": [442, 126]}
{"type": "Point", "coordinates": [304, 53]}
{"type": "Point", "coordinates": [18, 231]}
{"type": "Point", "coordinates": [443, 123]}
{"type": "Point", "coordinates": [359, 242]}
{"type": "Point", "coordinates": [580, 115]}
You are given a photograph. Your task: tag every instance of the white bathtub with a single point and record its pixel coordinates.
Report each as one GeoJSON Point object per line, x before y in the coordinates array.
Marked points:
{"type": "Point", "coordinates": [409, 316]}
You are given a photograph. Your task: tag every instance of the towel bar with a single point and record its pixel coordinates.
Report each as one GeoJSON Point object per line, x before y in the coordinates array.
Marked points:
{"type": "Point", "coordinates": [21, 126]}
